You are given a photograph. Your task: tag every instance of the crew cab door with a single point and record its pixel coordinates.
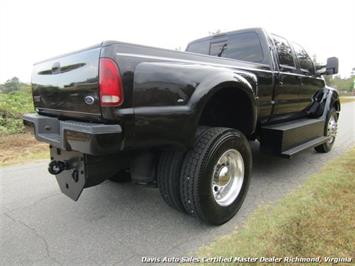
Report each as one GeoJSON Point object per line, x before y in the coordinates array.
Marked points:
{"type": "Point", "coordinates": [310, 84]}
{"type": "Point", "coordinates": [288, 85]}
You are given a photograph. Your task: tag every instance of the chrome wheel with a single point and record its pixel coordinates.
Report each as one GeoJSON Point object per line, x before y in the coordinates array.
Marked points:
{"type": "Point", "coordinates": [332, 129]}
{"type": "Point", "coordinates": [227, 177]}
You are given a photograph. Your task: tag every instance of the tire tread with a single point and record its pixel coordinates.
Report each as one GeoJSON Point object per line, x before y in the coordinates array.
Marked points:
{"type": "Point", "coordinates": [168, 178]}
{"type": "Point", "coordinates": [190, 168]}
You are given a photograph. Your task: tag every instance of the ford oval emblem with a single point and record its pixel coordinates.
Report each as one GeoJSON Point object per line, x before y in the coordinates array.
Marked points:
{"type": "Point", "coordinates": [89, 100]}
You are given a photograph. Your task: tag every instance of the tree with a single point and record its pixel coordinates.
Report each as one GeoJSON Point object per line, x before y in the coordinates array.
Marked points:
{"type": "Point", "coordinates": [344, 84]}
{"type": "Point", "coordinates": [13, 84]}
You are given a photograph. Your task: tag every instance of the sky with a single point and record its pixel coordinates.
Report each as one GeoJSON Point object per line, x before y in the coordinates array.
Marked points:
{"type": "Point", "coordinates": [32, 31]}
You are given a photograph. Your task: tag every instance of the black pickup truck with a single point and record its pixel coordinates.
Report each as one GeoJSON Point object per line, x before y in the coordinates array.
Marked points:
{"type": "Point", "coordinates": [181, 121]}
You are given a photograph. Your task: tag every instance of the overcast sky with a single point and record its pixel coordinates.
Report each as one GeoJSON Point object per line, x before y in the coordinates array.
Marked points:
{"type": "Point", "coordinates": [35, 30]}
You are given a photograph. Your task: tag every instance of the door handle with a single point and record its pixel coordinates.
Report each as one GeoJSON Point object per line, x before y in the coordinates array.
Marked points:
{"type": "Point", "coordinates": [300, 79]}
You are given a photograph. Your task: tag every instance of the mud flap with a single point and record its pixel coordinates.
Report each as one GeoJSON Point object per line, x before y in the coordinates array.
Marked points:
{"type": "Point", "coordinates": [71, 180]}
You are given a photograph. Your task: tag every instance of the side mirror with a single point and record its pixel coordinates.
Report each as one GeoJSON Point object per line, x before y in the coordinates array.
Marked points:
{"type": "Point", "coordinates": [331, 68]}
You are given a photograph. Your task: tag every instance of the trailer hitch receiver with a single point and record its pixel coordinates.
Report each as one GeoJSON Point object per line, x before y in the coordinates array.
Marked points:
{"type": "Point", "coordinates": [69, 170]}
{"type": "Point", "coordinates": [56, 167]}
{"type": "Point", "coordinates": [75, 171]}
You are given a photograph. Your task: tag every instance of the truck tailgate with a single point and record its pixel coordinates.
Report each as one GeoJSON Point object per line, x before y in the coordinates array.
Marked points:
{"type": "Point", "coordinates": [68, 86]}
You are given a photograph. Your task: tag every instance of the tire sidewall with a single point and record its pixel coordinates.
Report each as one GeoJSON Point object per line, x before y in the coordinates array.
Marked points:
{"type": "Point", "coordinates": [332, 112]}
{"type": "Point", "coordinates": [213, 212]}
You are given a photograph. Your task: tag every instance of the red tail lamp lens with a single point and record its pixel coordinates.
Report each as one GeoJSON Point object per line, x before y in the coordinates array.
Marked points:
{"type": "Point", "coordinates": [110, 83]}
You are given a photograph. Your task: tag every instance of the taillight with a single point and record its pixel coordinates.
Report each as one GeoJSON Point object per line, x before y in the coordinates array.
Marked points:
{"type": "Point", "coordinates": [110, 83]}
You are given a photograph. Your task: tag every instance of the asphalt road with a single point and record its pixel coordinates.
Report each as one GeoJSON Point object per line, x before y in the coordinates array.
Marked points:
{"type": "Point", "coordinates": [118, 224]}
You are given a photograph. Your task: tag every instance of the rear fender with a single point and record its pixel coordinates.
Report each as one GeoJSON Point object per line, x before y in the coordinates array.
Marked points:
{"type": "Point", "coordinates": [169, 99]}
{"type": "Point", "coordinates": [243, 81]}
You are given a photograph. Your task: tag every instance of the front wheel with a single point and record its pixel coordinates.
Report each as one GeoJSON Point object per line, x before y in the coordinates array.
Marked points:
{"type": "Point", "coordinates": [330, 130]}
{"type": "Point", "coordinates": [215, 175]}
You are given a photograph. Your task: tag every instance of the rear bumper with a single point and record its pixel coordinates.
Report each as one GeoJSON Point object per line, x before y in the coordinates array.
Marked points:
{"type": "Point", "coordinates": [84, 137]}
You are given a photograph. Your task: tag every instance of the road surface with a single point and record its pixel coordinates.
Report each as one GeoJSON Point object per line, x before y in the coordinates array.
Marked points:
{"type": "Point", "coordinates": [117, 224]}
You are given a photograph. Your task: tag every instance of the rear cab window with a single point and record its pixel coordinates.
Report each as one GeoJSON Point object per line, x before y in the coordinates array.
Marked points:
{"type": "Point", "coordinates": [199, 47]}
{"type": "Point", "coordinates": [218, 47]}
{"type": "Point", "coordinates": [245, 46]}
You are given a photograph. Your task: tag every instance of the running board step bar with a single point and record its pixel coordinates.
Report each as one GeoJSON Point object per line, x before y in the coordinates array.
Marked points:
{"type": "Point", "coordinates": [279, 138]}
{"type": "Point", "coordinates": [309, 144]}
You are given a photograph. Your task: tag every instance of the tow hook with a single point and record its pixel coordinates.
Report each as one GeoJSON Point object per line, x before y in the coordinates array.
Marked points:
{"type": "Point", "coordinates": [56, 167]}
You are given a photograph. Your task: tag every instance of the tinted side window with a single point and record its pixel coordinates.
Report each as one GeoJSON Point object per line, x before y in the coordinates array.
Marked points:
{"type": "Point", "coordinates": [306, 63]}
{"type": "Point", "coordinates": [284, 51]}
{"type": "Point", "coordinates": [200, 47]}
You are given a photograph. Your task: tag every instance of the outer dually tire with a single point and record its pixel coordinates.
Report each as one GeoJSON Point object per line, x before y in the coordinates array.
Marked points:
{"type": "Point", "coordinates": [215, 175]}
{"type": "Point", "coordinates": [168, 175]}
{"type": "Point", "coordinates": [330, 129]}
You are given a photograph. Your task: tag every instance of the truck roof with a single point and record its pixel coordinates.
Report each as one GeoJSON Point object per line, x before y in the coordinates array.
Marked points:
{"type": "Point", "coordinates": [218, 35]}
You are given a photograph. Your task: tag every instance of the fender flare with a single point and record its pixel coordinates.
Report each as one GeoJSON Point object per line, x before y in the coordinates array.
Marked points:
{"type": "Point", "coordinates": [324, 100]}
{"type": "Point", "coordinates": [331, 100]}
{"type": "Point", "coordinates": [214, 83]}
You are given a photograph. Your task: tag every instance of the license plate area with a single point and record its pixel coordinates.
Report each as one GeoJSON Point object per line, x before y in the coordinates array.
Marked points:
{"type": "Point", "coordinates": [73, 178]}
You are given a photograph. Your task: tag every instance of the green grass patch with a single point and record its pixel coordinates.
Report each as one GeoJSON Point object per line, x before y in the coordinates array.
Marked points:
{"type": "Point", "coordinates": [315, 220]}
{"type": "Point", "coordinates": [347, 99]}
{"type": "Point", "coordinates": [12, 106]}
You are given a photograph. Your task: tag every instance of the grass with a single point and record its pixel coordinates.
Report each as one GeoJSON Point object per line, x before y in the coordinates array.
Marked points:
{"type": "Point", "coordinates": [346, 99]}
{"type": "Point", "coordinates": [16, 145]}
{"type": "Point", "coordinates": [18, 148]}
{"type": "Point", "coordinates": [12, 106]}
{"type": "Point", "coordinates": [315, 220]}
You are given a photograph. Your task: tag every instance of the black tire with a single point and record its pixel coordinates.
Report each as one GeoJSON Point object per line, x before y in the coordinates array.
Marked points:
{"type": "Point", "coordinates": [122, 176]}
{"type": "Point", "coordinates": [326, 147]}
{"type": "Point", "coordinates": [198, 167]}
{"type": "Point", "coordinates": [168, 178]}
{"type": "Point", "coordinates": [168, 175]}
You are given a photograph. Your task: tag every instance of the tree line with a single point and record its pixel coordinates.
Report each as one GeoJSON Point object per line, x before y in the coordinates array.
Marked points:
{"type": "Point", "coordinates": [13, 84]}
{"type": "Point", "coordinates": [343, 84]}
